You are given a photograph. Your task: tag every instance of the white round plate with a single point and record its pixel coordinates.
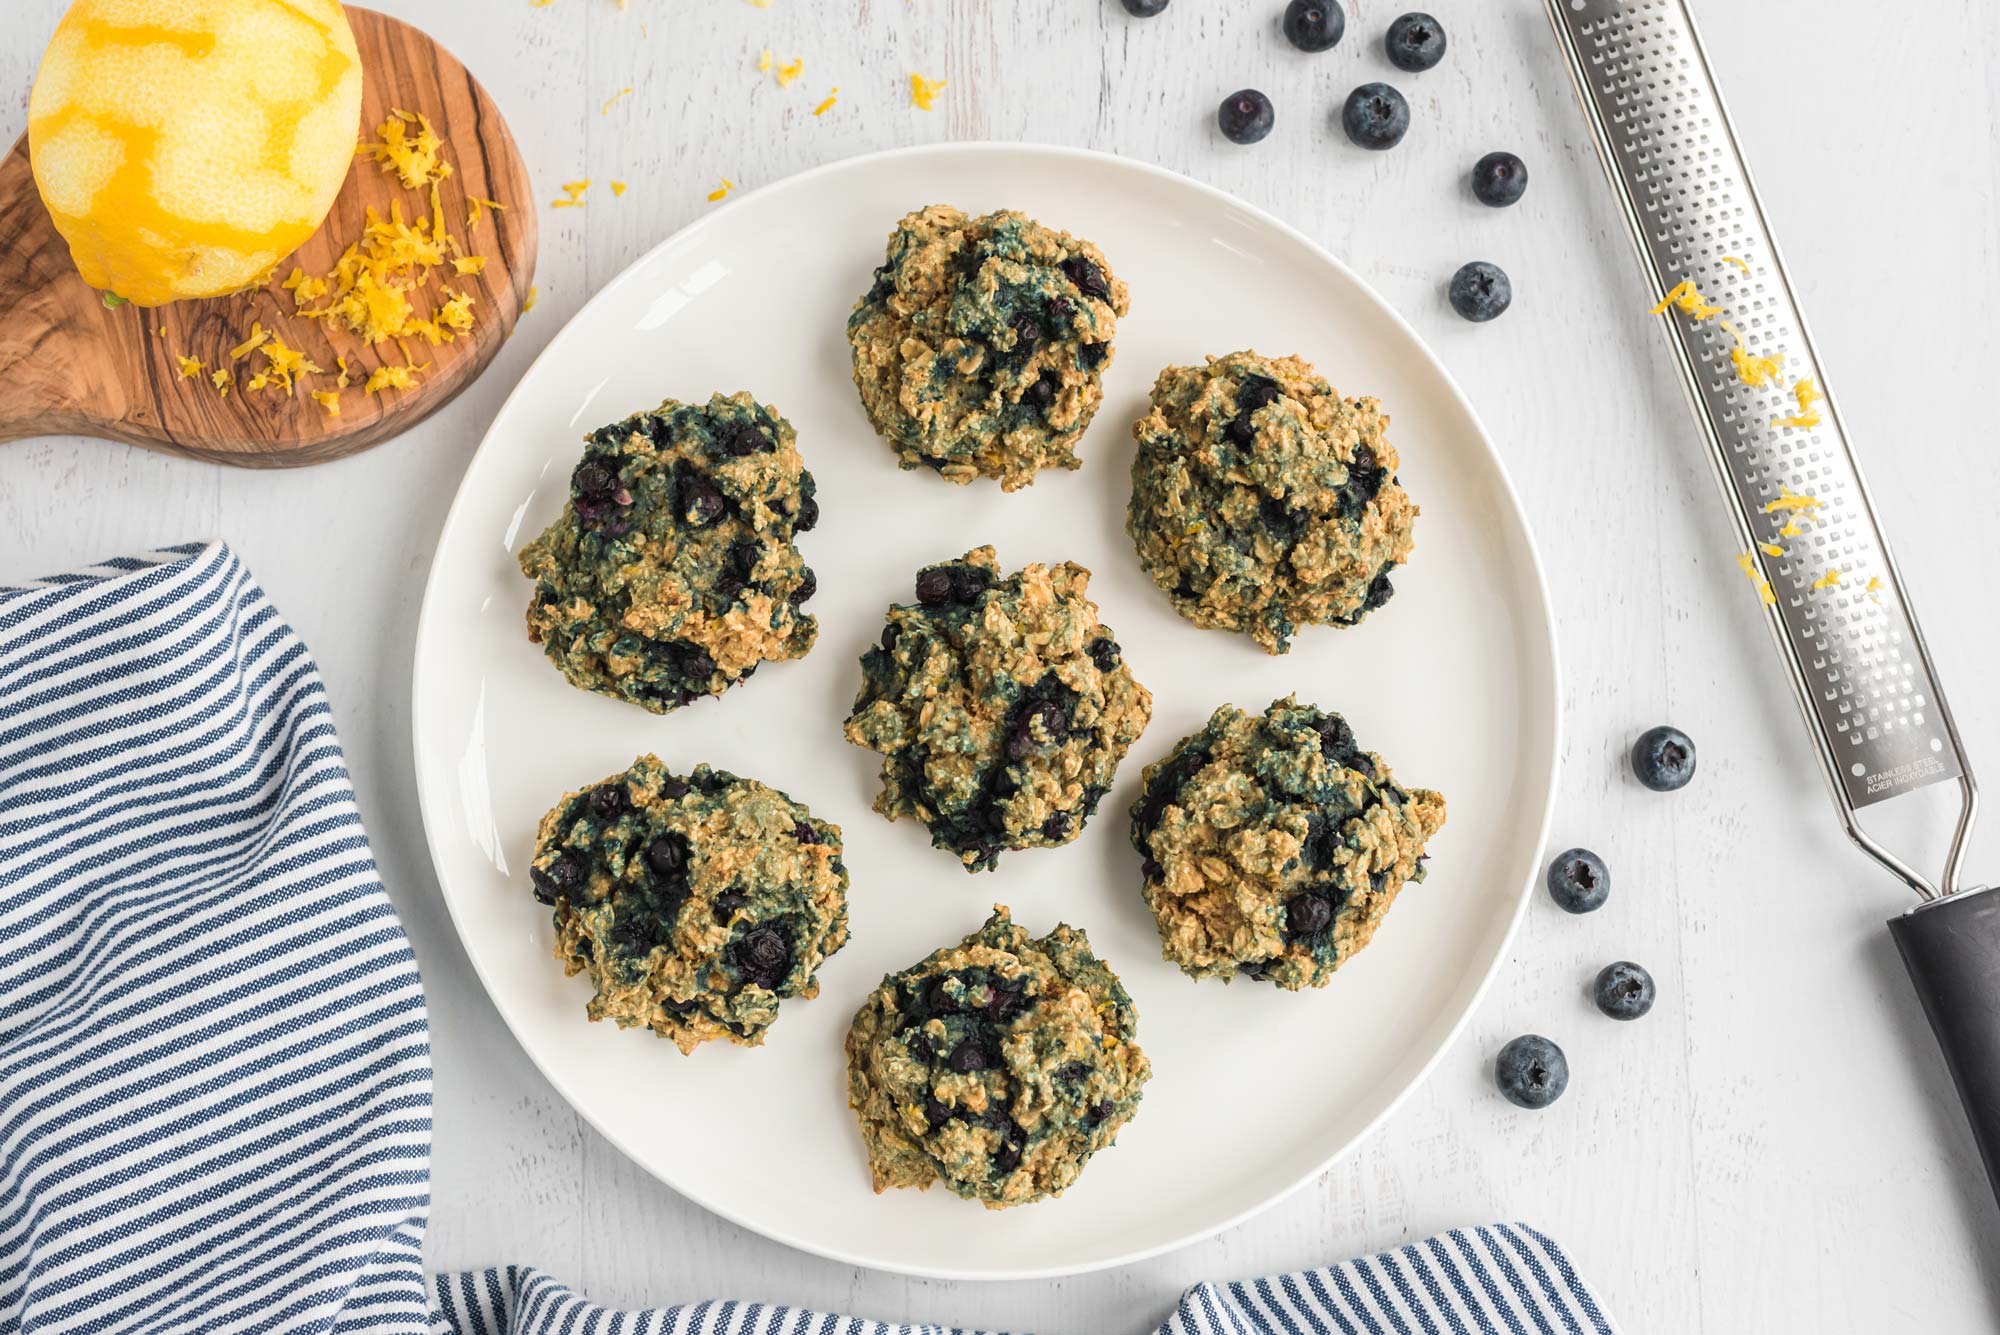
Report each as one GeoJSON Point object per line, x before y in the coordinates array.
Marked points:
{"type": "Point", "coordinates": [1254, 1090]}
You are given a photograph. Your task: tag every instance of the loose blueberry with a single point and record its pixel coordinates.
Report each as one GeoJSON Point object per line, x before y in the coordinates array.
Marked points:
{"type": "Point", "coordinates": [764, 956]}
{"type": "Point", "coordinates": [609, 801]}
{"type": "Point", "coordinates": [1375, 116]}
{"type": "Point", "coordinates": [1315, 25]}
{"type": "Point", "coordinates": [672, 788]}
{"type": "Point", "coordinates": [1245, 116]}
{"type": "Point", "coordinates": [1624, 990]}
{"type": "Point", "coordinates": [1308, 914]}
{"type": "Point", "coordinates": [563, 874]}
{"type": "Point", "coordinates": [1531, 1072]}
{"type": "Point", "coordinates": [1145, 9]}
{"type": "Point", "coordinates": [1579, 881]}
{"type": "Point", "coordinates": [667, 855]}
{"type": "Point", "coordinates": [1499, 179]}
{"type": "Point", "coordinates": [1415, 42]}
{"type": "Point", "coordinates": [934, 587]}
{"type": "Point", "coordinates": [1104, 653]}
{"type": "Point", "coordinates": [1663, 759]}
{"type": "Point", "coordinates": [1481, 291]}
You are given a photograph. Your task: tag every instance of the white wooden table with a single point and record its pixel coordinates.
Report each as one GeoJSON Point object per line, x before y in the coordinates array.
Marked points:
{"type": "Point", "coordinates": [1776, 1148]}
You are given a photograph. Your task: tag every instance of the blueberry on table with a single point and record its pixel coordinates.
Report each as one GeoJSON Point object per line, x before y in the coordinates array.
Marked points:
{"type": "Point", "coordinates": [1415, 42]}
{"type": "Point", "coordinates": [1315, 25]}
{"type": "Point", "coordinates": [1144, 9]}
{"type": "Point", "coordinates": [1375, 117]}
{"type": "Point", "coordinates": [1663, 759]}
{"type": "Point", "coordinates": [1624, 990]}
{"type": "Point", "coordinates": [1531, 1072]}
{"type": "Point", "coordinates": [1245, 116]}
{"type": "Point", "coordinates": [1481, 291]}
{"type": "Point", "coordinates": [1499, 179]}
{"type": "Point", "coordinates": [1579, 881]}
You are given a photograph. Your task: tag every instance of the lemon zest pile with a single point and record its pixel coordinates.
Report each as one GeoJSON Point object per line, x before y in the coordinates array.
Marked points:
{"type": "Point", "coordinates": [613, 101]}
{"type": "Point", "coordinates": [1690, 300]}
{"type": "Point", "coordinates": [827, 105]}
{"type": "Point", "coordinates": [573, 189]}
{"type": "Point", "coordinates": [923, 92]}
{"type": "Point", "coordinates": [190, 367]}
{"type": "Point", "coordinates": [282, 367]}
{"type": "Point", "coordinates": [787, 73]}
{"type": "Point", "coordinates": [618, 189]}
{"type": "Point", "coordinates": [1807, 394]}
{"type": "Point", "coordinates": [1829, 579]}
{"type": "Point", "coordinates": [1756, 577]}
{"type": "Point", "coordinates": [414, 160]}
{"type": "Point", "coordinates": [393, 377]}
{"type": "Point", "coordinates": [726, 186]}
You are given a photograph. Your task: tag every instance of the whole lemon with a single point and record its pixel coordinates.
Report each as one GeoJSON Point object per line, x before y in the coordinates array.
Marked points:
{"type": "Point", "coordinates": [185, 147]}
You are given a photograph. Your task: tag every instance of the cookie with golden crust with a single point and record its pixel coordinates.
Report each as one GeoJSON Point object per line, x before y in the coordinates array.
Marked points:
{"type": "Point", "coordinates": [980, 348]}
{"type": "Point", "coordinates": [1001, 707]}
{"type": "Point", "coordinates": [1273, 846]}
{"type": "Point", "coordinates": [1263, 501]}
{"type": "Point", "coordinates": [997, 1066]}
{"type": "Point", "coordinates": [695, 902]}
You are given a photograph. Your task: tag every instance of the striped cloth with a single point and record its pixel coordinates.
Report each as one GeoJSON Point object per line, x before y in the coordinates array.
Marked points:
{"type": "Point", "coordinates": [215, 1079]}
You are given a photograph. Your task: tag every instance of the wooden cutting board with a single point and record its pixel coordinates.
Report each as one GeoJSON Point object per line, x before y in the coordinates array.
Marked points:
{"type": "Point", "coordinates": [69, 366]}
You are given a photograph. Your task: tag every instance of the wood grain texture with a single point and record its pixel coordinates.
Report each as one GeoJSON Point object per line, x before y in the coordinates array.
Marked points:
{"type": "Point", "coordinates": [1775, 1148]}
{"type": "Point", "coordinates": [70, 366]}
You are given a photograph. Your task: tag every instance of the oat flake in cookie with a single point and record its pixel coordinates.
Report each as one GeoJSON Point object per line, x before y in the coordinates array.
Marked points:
{"type": "Point", "coordinates": [1001, 707]}
{"type": "Point", "coordinates": [695, 903]}
{"type": "Point", "coordinates": [979, 349]}
{"type": "Point", "coordinates": [1262, 501]}
{"type": "Point", "coordinates": [672, 574]}
{"type": "Point", "coordinates": [1274, 846]}
{"type": "Point", "coordinates": [998, 1065]}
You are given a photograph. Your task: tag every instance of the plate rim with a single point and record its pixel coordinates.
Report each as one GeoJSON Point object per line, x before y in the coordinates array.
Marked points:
{"type": "Point", "coordinates": [710, 221]}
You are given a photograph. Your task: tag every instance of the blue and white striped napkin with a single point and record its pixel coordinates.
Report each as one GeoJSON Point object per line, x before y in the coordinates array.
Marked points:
{"type": "Point", "coordinates": [215, 1078]}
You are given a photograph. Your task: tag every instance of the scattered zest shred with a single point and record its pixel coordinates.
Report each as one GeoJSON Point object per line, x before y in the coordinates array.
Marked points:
{"type": "Point", "coordinates": [788, 72]}
{"type": "Point", "coordinates": [923, 92]}
{"type": "Point", "coordinates": [759, 4]}
{"type": "Point", "coordinates": [414, 159]}
{"type": "Point", "coordinates": [304, 287]}
{"type": "Point", "coordinates": [574, 190]}
{"type": "Point", "coordinates": [1790, 501]}
{"type": "Point", "coordinates": [1807, 394]}
{"type": "Point", "coordinates": [328, 399]}
{"type": "Point", "coordinates": [219, 377]}
{"type": "Point", "coordinates": [1751, 369]}
{"type": "Point", "coordinates": [282, 367]}
{"type": "Point", "coordinates": [1741, 264]}
{"type": "Point", "coordinates": [258, 338]}
{"type": "Point", "coordinates": [1829, 579]}
{"type": "Point", "coordinates": [345, 380]}
{"type": "Point", "coordinates": [827, 104]}
{"type": "Point", "coordinates": [534, 295]}
{"type": "Point", "coordinates": [721, 191]}
{"type": "Point", "coordinates": [393, 377]}
{"type": "Point", "coordinates": [190, 367]}
{"type": "Point", "coordinates": [1874, 589]}
{"type": "Point", "coordinates": [1770, 549]}
{"type": "Point", "coordinates": [1756, 577]}
{"type": "Point", "coordinates": [618, 189]}
{"type": "Point", "coordinates": [1690, 300]}
{"type": "Point", "coordinates": [764, 61]}
{"type": "Point", "coordinates": [477, 208]}
{"type": "Point", "coordinates": [469, 264]}
{"type": "Point", "coordinates": [613, 101]}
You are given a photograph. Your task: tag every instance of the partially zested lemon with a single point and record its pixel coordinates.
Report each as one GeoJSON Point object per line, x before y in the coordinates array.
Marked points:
{"type": "Point", "coordinates": [185, 147]}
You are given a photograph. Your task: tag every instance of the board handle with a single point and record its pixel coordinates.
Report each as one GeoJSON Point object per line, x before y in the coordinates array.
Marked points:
{"type": "Point", "coordinates": [1951, 946]}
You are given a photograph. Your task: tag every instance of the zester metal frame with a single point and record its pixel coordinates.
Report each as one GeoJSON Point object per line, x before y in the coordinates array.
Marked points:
{"type": "Point", "coordinates": [1856, 656]}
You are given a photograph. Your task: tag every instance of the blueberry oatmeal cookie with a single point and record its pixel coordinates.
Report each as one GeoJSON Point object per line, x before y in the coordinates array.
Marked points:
{"type": "Point", "coordinates": [695, 903]}
{"type": "Point", "coordinates": [1000, 707]}
{"type": "Point", "coordinates": [998, 1065]}
{"type": "Point", "coordinates": [1274, 846]}
{"type": "Point", "coordinates": [672, 573]}
{"type": "Point", "coordinates": [1262, 501]}
{"type": "Point", "coordinates": [980, 348]}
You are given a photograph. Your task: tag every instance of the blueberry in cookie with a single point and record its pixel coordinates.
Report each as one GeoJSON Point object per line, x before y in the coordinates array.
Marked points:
{"type": "Point", "coordinates": [1273, 846]}
{"type": "Point", "coordinates": [1263, 501]}
{"type": "Point", "coordinates": [1000, 706]}
{"type": "Point", "coordinates": [997, 1066]}
{"type": "Point", "coordinates": [980, 348]}
{"type": "Point", "coordinates": [696, 903]}
{"type": "Point", "coordinates": [671, 573]}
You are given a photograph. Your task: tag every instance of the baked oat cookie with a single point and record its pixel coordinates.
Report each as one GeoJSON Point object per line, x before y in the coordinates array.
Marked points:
{"type": "Point", "coordinates": [998, 1065]}
{"type": "Point", "coordinates": [1001, 707]}
{"type": "Point", "coordinates": [1274, 846]}
{"type": "Point", "coordinates": [695, 903]}
{"type": "Point", "coordinates": [979, 350]}
{"type": "Point", "coordinates": [672, 573]}
{"type": "Point", "coordinates": [1262, 501]}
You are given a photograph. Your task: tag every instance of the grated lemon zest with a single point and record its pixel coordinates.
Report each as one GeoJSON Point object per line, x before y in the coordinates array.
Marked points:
{"type": "Point", "coordinates": [1874, 589]}
{"type": "Point", "coordinates": [788, 72]}
{"type": "Point", "coordinates": [764, 61]}
{"type": "Point", "coordinates": [413, 159]}
{"type": "Point", "coordinates": [159, 331]}
{"type": "Point", "coordinates": [1770, 549]}
{"type": "Point", "coordinates": [282, 367]}
{"type": "Point", "coordinates": [219, 377]}
{"type": "Point", "coordinates": [534, 295]}
{"type": "Point", "coordinates": [1751, 369]}
{"type": "Point", "coordinates": [477, 209]}
{"type": "Point", "coordinates": [1829, 579]}
{"type": "Point", "coordinates": [1756, 577]}
{"type": "Point", "coordinates": [923, 92]}
{"type": "Point", "coordinates": [344, 381]}
{"type": "Point", "coordinates": [827, 104]}
{"type": "Point", "coordinates": [1807, 394]}
{"type": "Point", "coordinates": [727, 186]}
{"type": "Point", "coordinates": [329, 400]}
{"type": "Point", "coordinates": [393, 377]}
{"type": "Point", "coordinates": [1788, 500]}
{"type": "Point", "coordinates": [258, 338]}
{"type": "Point", "coordinates": [1689, 299]}
{"type": "Point", "coordinates": [612, 101]}
{"type": "Point", "coordinates": [573, 189]}
{"type": "Point", "coordinates": [759, 4]}
{"type": "Point", "coordinates": [469, 264]}
{"type": "Point", "coordinates": [618, 189]}
{"type": "Point", "coordinates": [1741, 264]}
{"type": "Point", "coordinates": [190, 367]}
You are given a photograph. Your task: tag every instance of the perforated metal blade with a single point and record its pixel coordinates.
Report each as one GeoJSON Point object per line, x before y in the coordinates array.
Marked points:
{"type": "Point", "coordinates": [1811, 540]}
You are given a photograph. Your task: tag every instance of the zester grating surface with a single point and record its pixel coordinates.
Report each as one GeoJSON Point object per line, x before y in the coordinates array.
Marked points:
{"type": "Point", "coordinates": [1854, 648]}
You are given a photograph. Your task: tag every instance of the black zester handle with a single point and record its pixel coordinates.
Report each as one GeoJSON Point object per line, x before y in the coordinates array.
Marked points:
{"type": "Point", "coordinates": [1952, 950]}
